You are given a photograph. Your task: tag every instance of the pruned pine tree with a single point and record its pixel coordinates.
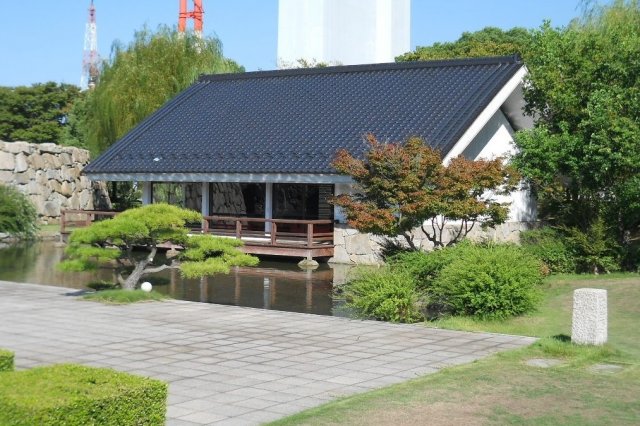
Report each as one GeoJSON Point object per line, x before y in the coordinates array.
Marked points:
{"type": "Point", "coordinates": [129, 243]}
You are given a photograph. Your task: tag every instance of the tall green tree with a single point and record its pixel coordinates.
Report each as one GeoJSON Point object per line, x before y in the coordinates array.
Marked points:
{"type": "Point", "coordinates": [489, 41]}
{"type": "Point", "coordinates": [37, 113]}
{"type": "Point", "coordinates": [141, 77]}
{"type": "Point", "coordinates": [583, 156]}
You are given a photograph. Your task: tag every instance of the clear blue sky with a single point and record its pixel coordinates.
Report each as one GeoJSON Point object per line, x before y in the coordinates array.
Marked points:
{"type": "Point", "coordinates": [42, 40]}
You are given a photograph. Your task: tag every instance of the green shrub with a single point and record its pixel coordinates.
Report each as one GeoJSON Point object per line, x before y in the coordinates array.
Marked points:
{"type": "Point", "coordinates": [550, 246]}
{"type": "Point", "coordinates": [385, 295]}
{"type": "Point", "coordinates": [494, 281]}
{"type": "Point", "coordinates": [78, 395]}
{"type": "Point", "coordinates": [424, 267]}
{"type": "Point", "coordinates": [18, 215]}
{"type": "Point", "coordinates": [6, 360]}
{"type": "Point", "coordinates": [596, 249]}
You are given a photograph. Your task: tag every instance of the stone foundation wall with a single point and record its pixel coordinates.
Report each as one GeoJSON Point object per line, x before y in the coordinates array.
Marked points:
{"type": "Point", "coordinates": [51, 176]}
{"type": "Point", "coordinates": [353, 247]}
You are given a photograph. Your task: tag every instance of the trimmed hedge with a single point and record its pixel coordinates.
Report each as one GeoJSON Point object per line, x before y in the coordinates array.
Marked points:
{"type": "Point", "coordinates": [72, 394]}
{"type": "Point", "coordinates": [6, 360]}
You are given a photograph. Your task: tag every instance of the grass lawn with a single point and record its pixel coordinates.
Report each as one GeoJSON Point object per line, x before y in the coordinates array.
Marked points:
{"type": "Point", "coordinates": [502, 389]}
{"type": "Point", "coordinates": [122, 297]}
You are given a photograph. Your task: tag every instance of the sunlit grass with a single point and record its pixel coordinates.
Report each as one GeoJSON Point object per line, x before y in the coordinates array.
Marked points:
{"type": "Point", "coordinates": [122, 297]}
{"type": "Point", "coordinates": [503, 389]}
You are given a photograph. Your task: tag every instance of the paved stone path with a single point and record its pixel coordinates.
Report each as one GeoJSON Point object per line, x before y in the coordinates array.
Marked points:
{"type": "Point", "coordinates": [226, 364]}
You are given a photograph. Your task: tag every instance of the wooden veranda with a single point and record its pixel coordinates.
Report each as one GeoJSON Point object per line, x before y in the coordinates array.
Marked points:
{"type": "Point", "coordinates": [269, 237]}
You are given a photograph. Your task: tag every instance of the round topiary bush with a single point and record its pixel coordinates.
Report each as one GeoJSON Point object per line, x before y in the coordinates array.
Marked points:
{"type": "Point", "coordinates": [494, 281]}
{"type": "Point", "coordinates": [18, 215]}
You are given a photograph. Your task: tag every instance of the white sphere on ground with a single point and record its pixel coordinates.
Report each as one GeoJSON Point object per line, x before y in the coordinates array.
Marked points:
{"type": "Point", "coordinates": [146, 286]}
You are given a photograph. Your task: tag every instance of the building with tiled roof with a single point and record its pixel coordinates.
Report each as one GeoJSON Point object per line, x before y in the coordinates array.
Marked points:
{"type": "Point", "coordinates": [260, 144]}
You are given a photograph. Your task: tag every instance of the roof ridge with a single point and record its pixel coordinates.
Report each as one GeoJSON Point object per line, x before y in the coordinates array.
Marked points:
{"type": "Point", "coordinates": [340, 69]}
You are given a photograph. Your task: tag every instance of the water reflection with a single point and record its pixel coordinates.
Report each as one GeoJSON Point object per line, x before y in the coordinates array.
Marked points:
{"type": "Point", "coordinates": [273, 285]}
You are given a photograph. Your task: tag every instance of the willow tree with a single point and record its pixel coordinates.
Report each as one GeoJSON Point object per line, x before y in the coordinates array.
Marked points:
{"type": "Point", "coordinates": [141, 77]}
{"type": "Point", "coordinates": [129, 243]}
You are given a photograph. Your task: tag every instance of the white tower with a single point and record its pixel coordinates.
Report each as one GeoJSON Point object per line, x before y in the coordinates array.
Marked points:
{"type": "Point", "coordinates": [343, 31]}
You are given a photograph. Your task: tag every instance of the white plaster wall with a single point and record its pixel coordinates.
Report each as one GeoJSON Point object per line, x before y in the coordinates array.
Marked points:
{"type": "Point", "coordinates": [343, 31]}
{"type": "Point", "coordinates": [496, 140]}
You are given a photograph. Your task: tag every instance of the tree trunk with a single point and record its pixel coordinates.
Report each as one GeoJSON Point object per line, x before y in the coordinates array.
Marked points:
{"type": "Point", "coordinates": [136, 274]}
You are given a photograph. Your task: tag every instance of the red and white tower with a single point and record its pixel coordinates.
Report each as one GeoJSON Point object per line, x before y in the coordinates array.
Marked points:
{"type": "Point", "coordinates": [196, 14]}
{"type": "Point", "coordinates": [90, 57]}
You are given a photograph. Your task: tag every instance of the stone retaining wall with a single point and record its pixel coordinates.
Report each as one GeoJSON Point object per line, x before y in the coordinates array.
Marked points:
{"type": "Point", "coordinates": [353, 247]}
{"type": "Point", "coordinates": [51, 176]}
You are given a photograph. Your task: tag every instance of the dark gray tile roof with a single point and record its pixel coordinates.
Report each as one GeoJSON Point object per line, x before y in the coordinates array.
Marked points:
{"type": "Point", "coordinates": [294, 121]}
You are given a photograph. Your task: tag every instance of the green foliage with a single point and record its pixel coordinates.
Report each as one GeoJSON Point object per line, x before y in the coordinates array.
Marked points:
{"type": "Point", "coordinates": [6, 360]}
{"type": "Point", "coordinates": [74, 132]}
{"type": "Point", "coordinates": [125, 195]}
{"type": "Point", "coordinates": [124, 297]}
{"type": "Point", "coordinates": [583, 157]}
{"type": "Point", "coordinates": [112, 239]}
{"type": "Point", "coordinates": [37, 113]}
{"type": "Point", "coordinates": [70, 394]}
{"type": "Point", "coordinates": [551, 247]}
{"type": "Point", "coordinates": [494, 281]}
{"type": "Point", "coordinates": [206, 255]}
{"type": "Point", "coordinates": [111, 243]}
{"type": "Point", "coordinates": [385, 295]}
{"type": "Point", "coordinates": [489, 41]}
{"type": "Point", "coordinates": [142, 76]}
{"type": "Point", "coordinates": [18, 215]}
{"type": "Point", "coordinates": [424, 267]}
{"type": "Point", "coordinates": [485, 281]}
{"type": "Point", "coordinates": [596, 250]}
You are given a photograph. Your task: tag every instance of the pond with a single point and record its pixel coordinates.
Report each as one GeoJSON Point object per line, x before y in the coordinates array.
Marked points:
{"type": "Point", "coordinates": [278, 285]}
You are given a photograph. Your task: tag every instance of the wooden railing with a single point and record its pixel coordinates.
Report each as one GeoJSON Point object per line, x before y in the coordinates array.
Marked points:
{"type": "Point", "coordinates": [254, 231]}
{"type": "Point", "coordinates": [272, 232]}
{"type": "Point", "coordinates": [72, 219]}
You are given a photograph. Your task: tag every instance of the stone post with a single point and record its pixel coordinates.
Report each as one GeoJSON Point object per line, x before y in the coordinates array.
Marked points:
{"type": "Point", "coordinates": [589, 326]}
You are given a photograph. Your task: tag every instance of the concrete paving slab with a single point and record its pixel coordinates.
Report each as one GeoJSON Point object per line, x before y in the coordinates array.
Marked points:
{"type": "Point", "coordinates": [227, 364]}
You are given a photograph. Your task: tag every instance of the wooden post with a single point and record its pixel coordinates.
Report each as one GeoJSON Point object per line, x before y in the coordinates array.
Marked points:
{"type": "Point", "coordinates": [62, 222]}
{"type": "Point", "coordinates": [274, 231]}
{"type": "Point", "coordinates": [238, 229]}
{"type": "Point", "coordinates": [309, 234]}
{"type": "Point", "coordinates": [205, 225]}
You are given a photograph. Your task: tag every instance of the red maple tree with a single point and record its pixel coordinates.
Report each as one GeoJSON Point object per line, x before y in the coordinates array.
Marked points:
{"type": "Point", "coordinates": [404, 186]}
